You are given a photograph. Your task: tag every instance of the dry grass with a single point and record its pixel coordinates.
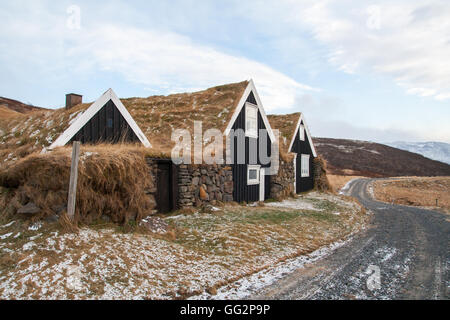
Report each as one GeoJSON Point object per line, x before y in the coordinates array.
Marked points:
{"type": "Point", "coordinates": [6, 113]}
{"type": "Point", "coordinates": [210, 250]}
{"type": "Point", "coordinates": [338, 182]}
{"type": "Point", "coordinates": [321, 181]}
{"type": "Point", "coordinates": [112, 181]}
{"type": "Point", "coordinates": [157, 116]}
{"type": "Point", "coordinates": [415, 191]}
{"type": "Point", "coordinates": [28, 133]}
{"type": "Point", "coordinates": [286, 125]}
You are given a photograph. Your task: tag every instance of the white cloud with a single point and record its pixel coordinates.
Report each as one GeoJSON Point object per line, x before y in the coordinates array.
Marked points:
{"type": "Point", "coordinates": [172, 61]}
{"type": "Point", "coordinates": [409, 41]}
{"type": "Point", "coordinates": [159, 60]}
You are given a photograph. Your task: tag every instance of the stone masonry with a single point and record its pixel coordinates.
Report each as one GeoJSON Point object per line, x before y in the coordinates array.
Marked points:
{"type": "Point", "coordinates": [197, 184]}
{"type": "Point", "coordinates": [204, 183]}
{"type": "Point", "coordinates": [282, 184]}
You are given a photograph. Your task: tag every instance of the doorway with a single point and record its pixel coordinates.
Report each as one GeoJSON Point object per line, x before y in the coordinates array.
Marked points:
{"type": "Point", "coordinates": [167, 187]}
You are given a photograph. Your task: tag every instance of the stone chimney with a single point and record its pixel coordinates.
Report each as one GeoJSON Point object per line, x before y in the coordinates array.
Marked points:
{"type": "Point", "coordinates": [73, 99]}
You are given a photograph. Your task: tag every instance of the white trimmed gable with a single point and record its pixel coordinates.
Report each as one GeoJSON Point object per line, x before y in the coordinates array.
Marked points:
{"type": "Point", "coordinates": [70, 132]}
{"type": "Point", "coordinates": [308, 134]}
{"type": "Point", "coordinates": [250, 88]}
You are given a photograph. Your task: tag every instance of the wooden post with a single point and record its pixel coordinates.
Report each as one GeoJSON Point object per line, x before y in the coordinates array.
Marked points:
{"type": "Point", "coordinates": [73, 180]}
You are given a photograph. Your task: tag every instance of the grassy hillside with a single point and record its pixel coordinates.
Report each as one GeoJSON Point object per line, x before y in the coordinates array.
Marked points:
{"type": "Point", "coordinates": [16, 106]}
{"type": "Point", "coordinates": [6, 113]}
{"type": "Point", "coordinates": [362, 158]}
{"type": "Point", "coordinates": [433, 191]}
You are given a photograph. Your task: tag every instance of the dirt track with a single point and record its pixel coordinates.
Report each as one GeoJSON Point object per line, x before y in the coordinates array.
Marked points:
{"type": "Point", "coordinates": [409, 246]}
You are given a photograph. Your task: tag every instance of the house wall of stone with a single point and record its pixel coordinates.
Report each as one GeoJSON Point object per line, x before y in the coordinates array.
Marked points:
{"type": "Point", "coordinates": [151, 191]}
{"type": "Point", "coordinates": [321, 182]}
{"type": "Point", "coordinates": [282, 184]}
{"type": "Point", "coordinates": [199, 184]}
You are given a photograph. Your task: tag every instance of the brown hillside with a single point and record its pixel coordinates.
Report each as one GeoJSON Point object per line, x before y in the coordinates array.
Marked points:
{"type": "Point", "coordinates": [361, 158]}
{"type": "Point", "coordinates": [6, 113]}
{"type": "Point", "coordinates": [17, 106]}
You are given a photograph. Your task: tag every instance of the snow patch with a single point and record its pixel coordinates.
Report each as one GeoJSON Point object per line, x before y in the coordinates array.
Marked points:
{"type": "Point", "coordinates": [345, 188]}
{"type": "Point", "coordinates": [293, 204]}
{"type": "Point", "coordinates": [28, 246]}
{"type": "Point", "coordinates": [243, 288]}
{"type": "Point", "coordinates": [8, 224]}
{"type": "Point", "coordinates": [35, 226]}
{"type": "Point", "coordinates": [6, 236]}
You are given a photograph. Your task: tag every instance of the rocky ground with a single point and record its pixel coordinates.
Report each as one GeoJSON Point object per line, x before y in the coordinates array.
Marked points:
{"type": "Point", "coordinates": [202, 252]}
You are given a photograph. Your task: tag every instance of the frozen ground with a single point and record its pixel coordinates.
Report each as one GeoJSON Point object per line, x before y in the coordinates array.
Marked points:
{"type": "Point", "coordinates": [204, 255]}
{"type": "Point", "coordinates": [403, 254]}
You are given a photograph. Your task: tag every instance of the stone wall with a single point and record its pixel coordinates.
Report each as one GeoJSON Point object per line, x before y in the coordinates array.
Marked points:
{"type": "Point", "coordinates": [151, 191]}
{"type": "Point", "coordinates": [321, 182]}
{"type": "Point", "coordinates": [197, 184]}
{"type": "Point", "coordinates": [204, 183]}
{"type": "Point", "coordinates": [282, 184]}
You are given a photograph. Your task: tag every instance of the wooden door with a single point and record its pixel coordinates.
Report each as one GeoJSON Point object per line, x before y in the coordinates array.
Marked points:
{"type": "Point", "coordinates": [164, 201]}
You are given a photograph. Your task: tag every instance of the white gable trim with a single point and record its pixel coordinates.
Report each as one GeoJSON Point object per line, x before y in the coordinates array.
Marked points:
{"type": "Point", "coordinates": [65, 137]}
{"type": "Point", "coordinates": [250, 88]}
{"type": "Point", "coordinates": [308, 134]}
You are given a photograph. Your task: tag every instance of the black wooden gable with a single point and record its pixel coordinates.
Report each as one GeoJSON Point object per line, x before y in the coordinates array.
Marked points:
{"type": "Point", "coordinates": [251, 98]}
{"type": "Point", "coordinates": [107, 125]}
{"type": "Point", "coordinates": [300, 146]}
{"type": "Point", "coordinates": [243, 192]}
{"type": "Point", "coordinates": [303, 147]}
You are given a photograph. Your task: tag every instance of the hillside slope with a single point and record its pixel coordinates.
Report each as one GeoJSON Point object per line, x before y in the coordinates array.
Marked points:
{"type": "Point", "coordinates": [439, 151]}
{"type": "Point", "coordinates": [15, 106]}
{"type": "Point", "coordinates": [353, 157]}
{"type": "Point", "coordinates": [6, 113]}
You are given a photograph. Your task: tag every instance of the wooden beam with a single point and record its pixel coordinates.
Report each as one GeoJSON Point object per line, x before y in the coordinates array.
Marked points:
{"type": "Point", "coordinates": [73, 180]}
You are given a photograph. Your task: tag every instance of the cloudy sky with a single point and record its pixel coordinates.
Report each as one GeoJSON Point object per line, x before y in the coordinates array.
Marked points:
{"type": "Point", "coordinates": [371, 70]}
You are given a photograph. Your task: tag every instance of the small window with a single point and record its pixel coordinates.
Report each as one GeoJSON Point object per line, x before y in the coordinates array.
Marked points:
{"type": "Point", "coordinates": [302, 132]}
{"type": "Point", "coordinates": [109, 123]}
{"type": "Point", "coordinates": [253, 175]}
{"type": "Point", "coordinates": [305, 165]}
{"type": "Point", "coordinates": [251, 120]}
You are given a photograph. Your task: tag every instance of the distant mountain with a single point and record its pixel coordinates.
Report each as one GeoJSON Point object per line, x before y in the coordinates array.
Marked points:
{"type": "Point", "coordinates": [10, 107]}
{"type": "Point", "coordinates": [439, 151]}
{"type": "Point", "coordinates": [354, 157]}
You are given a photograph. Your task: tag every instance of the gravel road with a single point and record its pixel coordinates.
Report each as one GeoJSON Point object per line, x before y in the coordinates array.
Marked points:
{"type": "Point", "coordinates": [404, 254]}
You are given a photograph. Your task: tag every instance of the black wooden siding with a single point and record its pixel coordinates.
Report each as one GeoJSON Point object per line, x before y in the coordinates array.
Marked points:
{"type": "Point", "coordinates": [303, 147]}
{"type": "Point", "coordinates": [107, 125]}
{"type": "Point", "coordinates": [243, 192]}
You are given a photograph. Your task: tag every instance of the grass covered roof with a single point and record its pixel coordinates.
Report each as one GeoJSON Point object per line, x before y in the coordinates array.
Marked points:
{"type": "Point", "coordinates": [155, 115]}
{"type": "Point", "coordinates": [286, 125]}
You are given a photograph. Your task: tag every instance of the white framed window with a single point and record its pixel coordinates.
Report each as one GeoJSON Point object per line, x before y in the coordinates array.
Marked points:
{"type": "Point", "coordinates": [302, 132]}
{"type": "Point", "coordinates": [305, 165]}
{"type": "Point", "coordinates": [251, 120]}
{"type": "Point", "coordinates": [253, 174]}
